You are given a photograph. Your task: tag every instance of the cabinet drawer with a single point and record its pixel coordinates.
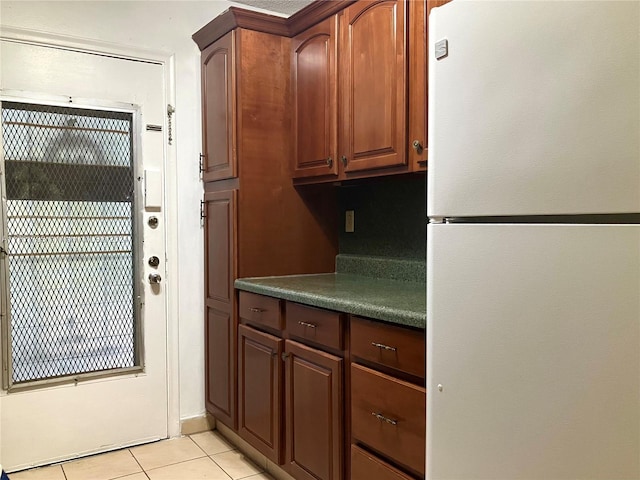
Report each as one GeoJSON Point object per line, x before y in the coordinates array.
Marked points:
{"type": "Point", "coordinates": [396, 347]}
{"type": "Point", "coordinates": [260, 310]}
{"type": "Point", "coordinates": [389, 415]}
{"type": "Point", "coordinates": [320, 326]}
{"type": "Point", "coordinates": [366, 466]}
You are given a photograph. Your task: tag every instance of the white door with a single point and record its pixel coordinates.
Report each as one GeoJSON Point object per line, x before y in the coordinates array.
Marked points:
{"type": "Point", "coordinates": [538, 103]}
{"type": "Point", "coordinates": [533, 352]}
{"type": "Point", "coordinates": [119, 404]}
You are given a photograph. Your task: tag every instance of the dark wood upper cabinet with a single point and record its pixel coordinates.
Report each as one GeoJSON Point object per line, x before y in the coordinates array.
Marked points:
{"type": "Point", "coordinates": [417, 145]}
{"type": "Point", "coordinates": [315, 96]}
{"type": "Point", "coordinates": [374, 85]}
{"type": "Point", "coordinates": [219, 160]}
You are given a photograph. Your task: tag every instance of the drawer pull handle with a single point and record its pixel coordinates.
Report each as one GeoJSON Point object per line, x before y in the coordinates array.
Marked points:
{"type": "Point", "coordinates": [381, 417]}
{"type": "Point", "coordinates": [305, 324]}
{"type": "Point", "coordinates": [384, 347]}
{"type": "Point", "coordinates": [256, 310]}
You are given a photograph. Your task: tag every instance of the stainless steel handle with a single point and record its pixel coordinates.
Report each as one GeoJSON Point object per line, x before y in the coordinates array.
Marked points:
{"type": "Point", "coordinates": [256, 310]}
{"type": "Point", "coordinates": [382, 418]}
{"type": "Point", "coordinates": [383, 346]}
{"type": "Point", "coordinates": [154, 278]}
{"type": "Point", "coordinates": [417, 146]}
{"type": "Point", "coordinates": [344, 160]}
{"type": "Point", "coordinates": [305, 324]}
{"type": "Point", "coordinates": [329, 162]}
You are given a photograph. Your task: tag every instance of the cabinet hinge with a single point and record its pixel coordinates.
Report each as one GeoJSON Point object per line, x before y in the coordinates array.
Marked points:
{"type": "Point", "coordinates": [170, 111]}
{"type": "Point", "coordinates": [203, 211]}
{"type": "Point", "coordinates": [201, 163]}
{"type": "Point", "coordinates": [285, 355]}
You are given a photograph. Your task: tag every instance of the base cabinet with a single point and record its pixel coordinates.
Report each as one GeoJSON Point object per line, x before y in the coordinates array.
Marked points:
{"type": "Point", "coordinates": [260, 391]}
{"type": "Point", "coordinates": [314, 406]}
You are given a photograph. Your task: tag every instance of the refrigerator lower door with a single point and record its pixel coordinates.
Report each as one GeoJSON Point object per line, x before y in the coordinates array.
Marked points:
{"type": "Point", "coordinates": [533, 352]}
{"type": "Point", "coordinates": [537, 102]}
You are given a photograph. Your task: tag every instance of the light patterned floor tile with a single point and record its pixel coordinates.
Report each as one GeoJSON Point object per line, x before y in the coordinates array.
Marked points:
{"type": "Point", "coordinates": [212, 442]}
{"type": "Point", "coordinates": [166, 452]}
{"type": "Point", "coordinates": [260, 476]}
{"type": "Point", "coordinates": [200, 468]}
{"type": "Point", "coordinates": [102, 467]}
{"type": "Point", "coordinates": [135, 476]}
{"type": "Point", "coordinates": [53, 472]}
{"type": "Point", "coordinates": [236, 464]}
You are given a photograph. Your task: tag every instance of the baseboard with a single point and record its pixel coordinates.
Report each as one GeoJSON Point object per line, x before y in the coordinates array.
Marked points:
{"type": "Point", "coordinates": [202, 423]}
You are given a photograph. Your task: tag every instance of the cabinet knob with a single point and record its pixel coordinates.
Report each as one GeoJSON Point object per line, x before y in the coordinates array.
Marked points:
{"type": "Point", "coordinates": [417, 146]}
{"type": "Point", "coordinates": [329, 162]}
{"type": "Point", "coordinates": [344, 160]}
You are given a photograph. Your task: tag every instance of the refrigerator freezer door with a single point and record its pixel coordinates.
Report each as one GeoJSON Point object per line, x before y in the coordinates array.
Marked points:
{"type": "Point", "coordinates": [533, 352]}
{"type": "Point", "coordinates": [538, 103]}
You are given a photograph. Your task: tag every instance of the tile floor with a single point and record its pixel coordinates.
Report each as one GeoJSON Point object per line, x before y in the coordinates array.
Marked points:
{"type": "Point", "coordinates": [205, 455]}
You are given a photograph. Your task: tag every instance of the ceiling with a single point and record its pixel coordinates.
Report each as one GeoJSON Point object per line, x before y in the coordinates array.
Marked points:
{"type": "Point", "coordinates": [284, 8]}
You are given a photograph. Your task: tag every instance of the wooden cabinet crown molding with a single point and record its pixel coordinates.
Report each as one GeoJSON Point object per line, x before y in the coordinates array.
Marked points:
{"type": "Point", "coordinates": [287, 27]}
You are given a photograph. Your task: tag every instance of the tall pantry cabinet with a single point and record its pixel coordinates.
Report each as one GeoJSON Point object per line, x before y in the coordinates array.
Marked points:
{"type": "Point", "coordinates": [255, 222]}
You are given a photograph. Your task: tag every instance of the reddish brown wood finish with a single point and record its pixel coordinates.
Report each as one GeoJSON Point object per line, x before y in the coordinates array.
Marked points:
{"type": "Point", "coordinates": [366, 466]}
{"type": "Point", "coordinates": [260, 391]}
{"type": "Point", "coordinates": [261, 310]}
{"type": "Point", "coordinates": [313, 405]}
{"type": "Point", "coordinates": [373, 80]}
{"type": "Point", "coordinates": [220, 366]}
{"type": "Point", "coordinates": [219, 109]}
{"type": "Point", "coordinates": [275, 229]}
{"type": "Point", "coordinates": [408, 344]}
{"type": "Point", "coordinates": [374, 393]}
{"type": "Point", "coordinates": [321, 327]}
{"type": "Point", "coordinates": [220, 324]}
{"type": "Point", "coordinates": [418, 80]}
{"type": "Point", "coordinates": [315, 100]}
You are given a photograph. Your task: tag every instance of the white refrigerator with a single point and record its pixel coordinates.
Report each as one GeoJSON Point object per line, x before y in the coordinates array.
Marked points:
{"type": "Point", "coordinates": [533, 242]}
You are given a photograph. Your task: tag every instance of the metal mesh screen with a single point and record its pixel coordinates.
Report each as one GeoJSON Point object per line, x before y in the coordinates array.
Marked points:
{"type": "Point", "coordinates": [69, 189]}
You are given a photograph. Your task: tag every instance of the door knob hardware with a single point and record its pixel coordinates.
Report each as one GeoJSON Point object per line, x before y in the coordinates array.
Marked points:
{"type": "Point", "coordinates": [329, 162]}
{"type": "Point", "coordinates": [154, 278]}
{"type": "Point", "coordinates": [417, 146]}
{"type": "Point", "coordinates": [153, 222]}
{"type": "Point", "coordinates": [154, 261]}
{"type": "Point", "coordinates": [344, 160]}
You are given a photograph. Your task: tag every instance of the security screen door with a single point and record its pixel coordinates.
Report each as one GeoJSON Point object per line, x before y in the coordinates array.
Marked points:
{"type": "Point", "coordinates": [84, 332]}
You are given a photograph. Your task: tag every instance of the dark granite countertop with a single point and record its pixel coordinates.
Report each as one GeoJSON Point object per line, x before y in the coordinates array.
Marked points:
{"type": "Point", "coordinates": [393, 301]}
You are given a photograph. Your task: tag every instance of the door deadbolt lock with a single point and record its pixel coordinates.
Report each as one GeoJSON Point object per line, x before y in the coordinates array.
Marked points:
{"type": "Point", "coordinates": [154, 261]}
{"type": "Point", "coordinates": [153, 222]}
{"type": "Point", "coordinates": [154, 278]}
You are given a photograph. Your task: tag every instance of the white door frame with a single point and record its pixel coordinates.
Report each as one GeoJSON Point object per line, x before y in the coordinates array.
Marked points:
{"type": "Point", "coordinates": [167, 60]}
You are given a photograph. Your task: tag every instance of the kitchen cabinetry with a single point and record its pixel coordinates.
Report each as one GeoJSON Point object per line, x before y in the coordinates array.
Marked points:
{"type": "Point", "coordinates": [418, 81]}
{"type": "Point", "coordinates": [249, 200]}
{"type": "Point", "coordinates": [387, 397]}
{"type": "Point", "coordinates": [219, 158]}
{"type": "Point", "coordinates": [313, 386]}
{"type": "Point", "coordinates": [367, 128]}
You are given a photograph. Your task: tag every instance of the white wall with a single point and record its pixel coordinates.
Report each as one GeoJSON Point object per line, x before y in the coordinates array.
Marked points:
{"type": "Point", "coordinates": [166, 26]}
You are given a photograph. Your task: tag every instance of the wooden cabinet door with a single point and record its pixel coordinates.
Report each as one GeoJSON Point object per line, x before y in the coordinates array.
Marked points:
{"type": "Point", "coordinates": [260, 391]}
{"type": "Point", "coordinates": [219, 109]}
{"type": "Point", "coordinates": [220, 325]}
{"type": "Point", "coordinates": [418, 81]}
{"type": "Point", "coordinates": [314, 405]}
{"type": "Point", "coordinates": [314, 86]}
{"type": "Point", "coordinates": [374, 84]}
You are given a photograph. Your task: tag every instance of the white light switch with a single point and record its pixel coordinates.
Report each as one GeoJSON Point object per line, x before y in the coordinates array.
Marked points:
{"type": "Point", "coordinates": [152, 189]}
